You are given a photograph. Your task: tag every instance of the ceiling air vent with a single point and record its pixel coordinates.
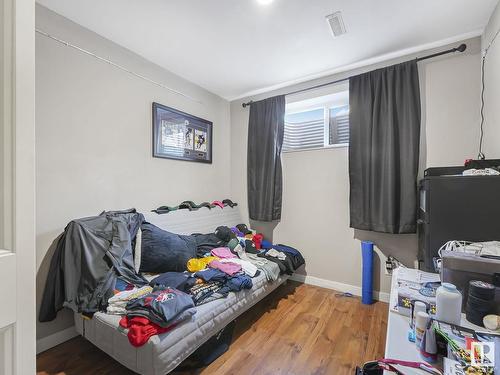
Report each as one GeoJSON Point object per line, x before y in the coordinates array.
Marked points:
{"type": "Point", "coordinates": [336, 24]}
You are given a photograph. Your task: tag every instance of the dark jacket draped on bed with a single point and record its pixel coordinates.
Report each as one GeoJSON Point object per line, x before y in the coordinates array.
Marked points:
{"type": "Point", "coordinates": [90, 255]}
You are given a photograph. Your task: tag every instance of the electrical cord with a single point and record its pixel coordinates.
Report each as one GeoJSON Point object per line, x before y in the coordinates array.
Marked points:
{"type": "Point", "coordinates": [461, 246]}
{"type": "Point", "coordinates": [480, 154]}
{"type": "Point", "coordinates": [395, 261]}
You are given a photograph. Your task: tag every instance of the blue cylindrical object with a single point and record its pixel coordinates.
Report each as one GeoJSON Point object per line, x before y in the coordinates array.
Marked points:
{"type": "Point", "coordinates": [367, 288]}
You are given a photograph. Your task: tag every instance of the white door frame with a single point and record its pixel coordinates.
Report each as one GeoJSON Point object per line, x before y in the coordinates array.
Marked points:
{"type": "Point", "coordinates": [17, 245]}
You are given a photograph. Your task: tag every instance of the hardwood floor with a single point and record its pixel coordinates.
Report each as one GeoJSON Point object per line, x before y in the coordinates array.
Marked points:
{"type": "Point", "coordinates": [299, 329]}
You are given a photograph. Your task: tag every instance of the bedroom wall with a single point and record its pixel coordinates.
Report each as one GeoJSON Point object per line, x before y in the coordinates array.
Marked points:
{"type": "Point", "coordinates": [492, 87]}
{"type": "Point", "coordinates": [93, 140]}
{"type": "Point", "coordinates": [315, 215]}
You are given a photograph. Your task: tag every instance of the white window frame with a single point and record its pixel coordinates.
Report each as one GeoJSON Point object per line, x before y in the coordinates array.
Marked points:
{"type": "Point", "coordinates": [327, 128]}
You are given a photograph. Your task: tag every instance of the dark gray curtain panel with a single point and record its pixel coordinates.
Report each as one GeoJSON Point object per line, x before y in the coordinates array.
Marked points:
{"type": "Point", "coordinates": [265, 138]}
{"type": "Point", "coordinates": [384, 121]}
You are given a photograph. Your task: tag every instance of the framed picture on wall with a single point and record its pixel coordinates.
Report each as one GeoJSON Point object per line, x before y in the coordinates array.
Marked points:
{"type": "Point", "coordinates": [178, 135]}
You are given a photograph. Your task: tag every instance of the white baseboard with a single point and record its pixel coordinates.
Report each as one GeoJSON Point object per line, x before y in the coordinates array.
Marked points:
{"type": "Point", "coordinates": [341, 287]}
{"type": "Point", "coordinates": [55, 339]}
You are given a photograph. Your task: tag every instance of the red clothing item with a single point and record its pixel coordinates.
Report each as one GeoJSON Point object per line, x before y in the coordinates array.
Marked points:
{"type": "Point", "coordinates": [141, 329]}
{"type": "Point", "coordinates": [257, 240]}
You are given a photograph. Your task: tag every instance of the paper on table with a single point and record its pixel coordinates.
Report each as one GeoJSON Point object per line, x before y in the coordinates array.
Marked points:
{"type": "Point", "coordinates": [393, 302]}
{"type": "Point", "coordinates": [408, 274]}
{"type": "Point", "coordinates": [411, 274]}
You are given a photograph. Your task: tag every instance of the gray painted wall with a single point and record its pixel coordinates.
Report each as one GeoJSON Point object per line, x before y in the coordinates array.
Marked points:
{"type": "Point", "coordinates": [93, 138]}
{"type": "Point", "coordinates": [315, 215]}
{"type": "Point", "coordinates": [492, 88]}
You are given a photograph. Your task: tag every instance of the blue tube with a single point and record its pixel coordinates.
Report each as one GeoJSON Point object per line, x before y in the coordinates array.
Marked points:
{"type": "Point", "coordinates": [367, 286]}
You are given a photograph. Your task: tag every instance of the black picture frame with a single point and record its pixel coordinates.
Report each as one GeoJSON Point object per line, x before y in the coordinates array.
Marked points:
{"type": "Point", "coordinates": [181, 136]}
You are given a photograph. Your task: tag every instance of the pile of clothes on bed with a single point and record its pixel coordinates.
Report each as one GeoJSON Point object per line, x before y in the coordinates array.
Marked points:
{"type": "Point", "coordinates": [154, 279]}
{"type": "Point", "coordinates": [150, 311]}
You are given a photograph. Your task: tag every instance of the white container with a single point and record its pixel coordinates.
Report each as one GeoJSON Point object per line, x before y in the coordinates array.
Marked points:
{"type": "Point", "coordinates": [448, 304]}
{"type": "Point", "coordinates": [417, 307]}
{"type": "Point", "coordinates": [421, 322]}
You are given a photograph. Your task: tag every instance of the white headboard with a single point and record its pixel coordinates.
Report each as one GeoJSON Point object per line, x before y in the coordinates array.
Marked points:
{"type": "Point", "coordinates": [203, 220]}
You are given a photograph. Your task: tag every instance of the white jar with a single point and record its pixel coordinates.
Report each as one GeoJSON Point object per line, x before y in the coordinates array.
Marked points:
{"type": "Point", "coordinates": [448, 304]}
{"type": "Point", "coordinates": [417, 307]}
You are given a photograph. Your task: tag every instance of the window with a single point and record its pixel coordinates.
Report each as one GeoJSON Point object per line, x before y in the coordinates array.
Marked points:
{"type": "Point", "coordinates": [318, 122]}
{"type": "Point", "coordinates": [338, 131]}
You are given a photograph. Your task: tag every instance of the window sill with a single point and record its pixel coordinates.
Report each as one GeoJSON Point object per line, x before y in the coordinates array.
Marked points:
{"type": "Point", "coordinates": [329, 147]}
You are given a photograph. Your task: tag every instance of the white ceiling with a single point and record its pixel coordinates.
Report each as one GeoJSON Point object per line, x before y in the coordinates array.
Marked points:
{"type": "Point", "coordinates": [239, 47]}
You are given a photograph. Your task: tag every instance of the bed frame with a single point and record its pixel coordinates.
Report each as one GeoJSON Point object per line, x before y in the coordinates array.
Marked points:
{"type": "Point", "coordinates": [163, 353]}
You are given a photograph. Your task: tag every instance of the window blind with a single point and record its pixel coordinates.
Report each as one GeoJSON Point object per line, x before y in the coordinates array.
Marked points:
{"type": "Point", "coordinates": [303, 134]}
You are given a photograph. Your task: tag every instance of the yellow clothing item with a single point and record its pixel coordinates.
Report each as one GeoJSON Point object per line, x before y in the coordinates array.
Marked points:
{"type": "Point", "coordinates": [198, 264]}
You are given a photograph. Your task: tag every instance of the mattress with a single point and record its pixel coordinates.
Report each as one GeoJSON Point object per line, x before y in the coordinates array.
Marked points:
{"type": "Point", "coordinates": [164, 352]}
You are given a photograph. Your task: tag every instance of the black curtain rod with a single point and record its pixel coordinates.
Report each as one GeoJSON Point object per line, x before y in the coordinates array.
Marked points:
{"type": "Point", "coordinates": [461, 48]}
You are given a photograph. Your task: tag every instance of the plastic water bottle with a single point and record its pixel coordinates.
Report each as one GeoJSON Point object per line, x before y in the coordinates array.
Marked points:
{"type": "Point", "coordinates": [448, 304]}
